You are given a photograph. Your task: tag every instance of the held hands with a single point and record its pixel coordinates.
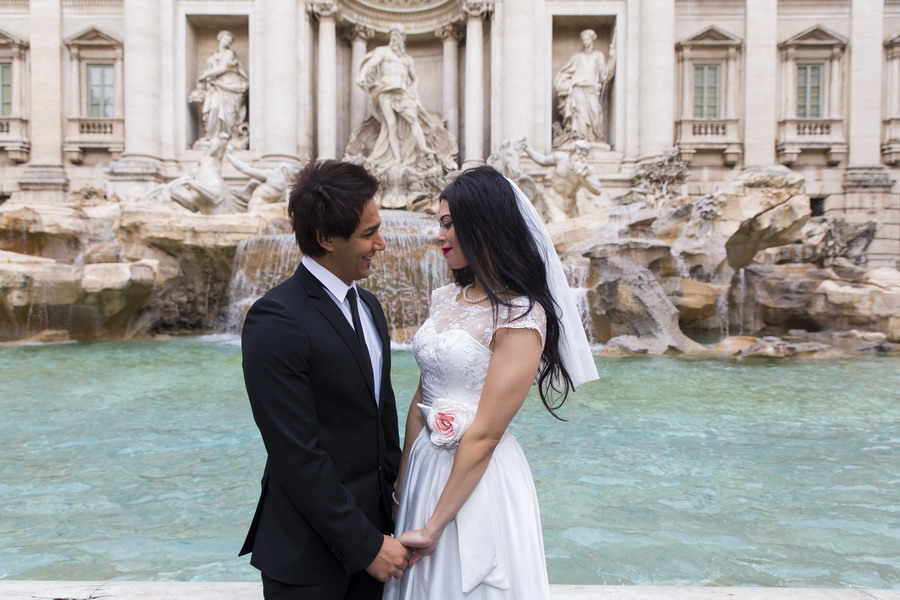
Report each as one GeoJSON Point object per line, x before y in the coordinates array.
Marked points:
{"type": "Point", "coordinates": [391, 561]}
{"type": "Point", "coordinates": [421, 542]}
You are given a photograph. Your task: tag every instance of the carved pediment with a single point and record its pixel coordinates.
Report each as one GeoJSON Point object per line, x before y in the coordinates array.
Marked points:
{"type": "Point", "coordinates": [893, 42]}
{"type": "Point", "coordinates": [817, 36]}
{"type": "Point", "coordinates": [712, 36]}
{"type": "Point", "coordinates": [8, 40]}
{"type": "Point", "coordinates": [93, 37]}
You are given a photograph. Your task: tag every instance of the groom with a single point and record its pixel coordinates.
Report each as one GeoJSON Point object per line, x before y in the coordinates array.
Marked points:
{"type": "Point", "coordinates": [316, 359]}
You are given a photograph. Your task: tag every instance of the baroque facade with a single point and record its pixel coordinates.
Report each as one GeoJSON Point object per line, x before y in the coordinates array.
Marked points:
{"type": "Point", "coordinates": [98, 93]}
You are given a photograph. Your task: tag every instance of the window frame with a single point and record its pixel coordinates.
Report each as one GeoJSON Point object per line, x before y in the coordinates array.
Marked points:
{"type": "Point", "coordinates": [6, 88]}
{"type": "Point", "coordinates": [105, 104]}
{"type": "Point", "coordinates": [803, 100]}
{"type": "Point", "coordinates": [705, 67]}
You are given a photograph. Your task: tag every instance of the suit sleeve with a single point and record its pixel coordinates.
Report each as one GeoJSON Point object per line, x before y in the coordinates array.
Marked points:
{"type": "Point", "coordinates": [276, 352]}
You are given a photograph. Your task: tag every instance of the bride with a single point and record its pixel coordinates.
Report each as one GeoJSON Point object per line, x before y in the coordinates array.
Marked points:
{"type": "Point", "coordinates": [467, 502]}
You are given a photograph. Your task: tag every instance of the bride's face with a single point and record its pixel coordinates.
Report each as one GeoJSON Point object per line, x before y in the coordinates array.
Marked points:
{"type": "Point", "coordinates": [446, 237]}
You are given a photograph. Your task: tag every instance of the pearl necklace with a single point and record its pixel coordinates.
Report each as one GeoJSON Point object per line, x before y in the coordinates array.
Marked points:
{"type": "Point", "coordinates": [465, 295]}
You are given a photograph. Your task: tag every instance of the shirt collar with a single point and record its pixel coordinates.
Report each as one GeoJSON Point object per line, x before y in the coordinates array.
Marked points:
{"type": "Point", "coordinates": [331, 281]}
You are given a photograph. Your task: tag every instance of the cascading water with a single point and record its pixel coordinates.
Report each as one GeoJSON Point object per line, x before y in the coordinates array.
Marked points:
{"type": "Point", "coordinates": [577, 274]}
{"type": "Point", "coordinates": [402, 276]}
{"type": "Point", "coordinates": [722, 313]}
{"type": "Point", "coordinates": [259, 264]}
{"type": "Point", "coordinates": [742, 284]}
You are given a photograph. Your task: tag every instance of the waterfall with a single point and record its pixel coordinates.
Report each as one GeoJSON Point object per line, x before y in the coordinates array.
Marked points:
{"type": "Point", "coordinates": [722, 313]}
{"type": "Point", "coordinates": [577, 274]}
{"type": "Point", "coordinates": [742, 285]}
{"type": "Point", "coordinates": [259, 264]}
{"type": "Point", "coordinates": [681, 266]}
{"type": "Point", "coordinates": [402, 276]}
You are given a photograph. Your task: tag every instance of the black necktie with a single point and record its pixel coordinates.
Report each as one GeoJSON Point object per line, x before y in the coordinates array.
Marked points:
{"type": "Point", "coordinates": [357, 324]}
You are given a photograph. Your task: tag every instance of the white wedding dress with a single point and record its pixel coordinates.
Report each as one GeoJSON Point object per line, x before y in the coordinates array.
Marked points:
{"type": "Point", "coordinates": [493, 549]}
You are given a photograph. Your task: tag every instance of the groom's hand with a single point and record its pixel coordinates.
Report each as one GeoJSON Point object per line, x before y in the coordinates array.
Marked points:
{"type": "Point", "coordinates": [391, 560]}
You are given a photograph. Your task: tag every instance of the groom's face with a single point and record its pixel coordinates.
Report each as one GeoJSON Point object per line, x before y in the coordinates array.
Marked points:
{"type": "Point", "coordinates": [351, 258]}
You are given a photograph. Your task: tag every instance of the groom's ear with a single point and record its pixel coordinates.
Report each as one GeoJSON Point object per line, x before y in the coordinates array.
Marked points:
{"type": "Point", "coordinates": [325, 241]}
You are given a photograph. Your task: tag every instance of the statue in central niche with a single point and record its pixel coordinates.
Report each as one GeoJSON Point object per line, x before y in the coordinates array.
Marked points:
{"type": "Point", "coordinates": [581, 85]}
{"type": "Point", "coordinates": [407, 147]}
{"type": "Point", "coordinates": [221, 93]}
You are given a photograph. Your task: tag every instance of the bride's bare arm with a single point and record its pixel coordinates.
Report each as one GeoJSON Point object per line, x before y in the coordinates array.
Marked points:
{"type": "Point", "coordinates": [517, 353]}
{"type": "Point", "coordinates": [414, 424]}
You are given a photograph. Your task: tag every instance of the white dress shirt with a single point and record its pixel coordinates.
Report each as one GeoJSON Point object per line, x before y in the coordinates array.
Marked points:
{"type": "Point", "coordinates": [337, 291]}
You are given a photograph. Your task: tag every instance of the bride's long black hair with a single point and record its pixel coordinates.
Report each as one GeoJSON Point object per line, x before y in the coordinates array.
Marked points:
{"type": "Point", "coordinates": [503, 255]}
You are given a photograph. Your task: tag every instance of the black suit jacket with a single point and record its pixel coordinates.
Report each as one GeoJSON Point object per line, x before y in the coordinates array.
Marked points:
{"type": "Point", "coordinates": [333, 454]}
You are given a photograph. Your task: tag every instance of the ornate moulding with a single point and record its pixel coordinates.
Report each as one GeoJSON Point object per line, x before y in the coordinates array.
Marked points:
{"type": "Point", "coordinates": [416, 16]}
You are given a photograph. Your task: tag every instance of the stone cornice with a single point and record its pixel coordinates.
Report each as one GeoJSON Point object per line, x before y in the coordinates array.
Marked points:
{"type": "Point", "coordinates": [85, 4]}
{"type": "Point", "coordinates": [416, 16]}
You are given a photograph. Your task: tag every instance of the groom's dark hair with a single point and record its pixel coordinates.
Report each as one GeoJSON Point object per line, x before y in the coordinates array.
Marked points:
{"type": "Point", "coordinates": [327, 199]}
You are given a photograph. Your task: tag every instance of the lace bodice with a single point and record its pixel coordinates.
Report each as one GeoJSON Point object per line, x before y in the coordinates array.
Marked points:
{"type": "Point", "coordinates": [452, 347]}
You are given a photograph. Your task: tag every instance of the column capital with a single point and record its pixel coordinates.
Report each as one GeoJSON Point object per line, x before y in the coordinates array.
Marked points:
{"type": "Point", "coordinates": [324, 9]}
{"type": "Point", "coordinates": [448, 31]}
{"type": "Point", "coordinates": [358, 32]}
{"type": "Point", "coordinates": [477, 8]}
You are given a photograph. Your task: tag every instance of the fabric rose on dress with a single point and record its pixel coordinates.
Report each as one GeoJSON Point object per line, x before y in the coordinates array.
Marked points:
{"type": "Point", "coordinates": [448, 420]}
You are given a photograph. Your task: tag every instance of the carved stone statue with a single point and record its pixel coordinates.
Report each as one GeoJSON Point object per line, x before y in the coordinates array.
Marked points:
{"type": "Point", "coordinates": [222, 93]}
{"type": "Point", "coordinates": [580, 86]}
{"type": "Point", "coordinates": [571, 172]}
{"type": "Point", "coordinates": [400, 141]}
{"type": "Point", "coordinates": [506, 160]}
{"type": "Point", "coordinates": [267, 185]}
{"type": "Point", "coordinates": [205, 191]}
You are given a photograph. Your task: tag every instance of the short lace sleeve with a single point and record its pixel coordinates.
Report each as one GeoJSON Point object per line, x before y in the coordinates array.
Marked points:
{"type": "Point", "coordinates": [519, 317]}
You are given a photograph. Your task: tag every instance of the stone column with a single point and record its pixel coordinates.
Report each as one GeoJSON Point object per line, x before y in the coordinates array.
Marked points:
{"type": "Point", "coordinates": [657, 99]}
{"type": "Point", "coordinates": [140, 165]}
{"type": "Point", "coordinates": [142, 80]}
{"type": "Point", "coordinates": [326, 79]}
{"type": "Point", "coordinates": [358, 35]}
{"type": "Point", "coordinates": [279, 101]}
{"type": "Point", "coordinates": [866, 58]}
{"type": "Point", "coordinates": [760, 117]}
{"type": "Point", "coordinates": [450, 98]}
{"type": "Point", "coordinates": [45, 179]}
{"type": "Point", "coordinates": [867, 184]}
{"type": "Point", "coordinates": [517, 113]}
{"type": "Point", "coordinates": [474, 101]}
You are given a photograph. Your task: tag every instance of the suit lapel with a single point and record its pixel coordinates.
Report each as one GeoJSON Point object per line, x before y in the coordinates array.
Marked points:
{"type": "Point", "coordinates": [326, 306]}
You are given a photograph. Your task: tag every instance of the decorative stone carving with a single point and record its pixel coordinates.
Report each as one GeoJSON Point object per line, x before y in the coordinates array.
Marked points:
{"type": "Point", "coordinates": [660, 175]}
{"type": "Point", "coordinates": [401, 142]}
{"type": "Point", "coordinates": [324, 9]}
{"type": "Point", "coordinates": [267, 185]}
{"type": "Point", "coordinates": [571, 172]}
{"type": "Point", "coordinates": [221, 93]}
{"type": "Point", "coordinates": [580, 86]}
{"type": "Point", "coordinates": [506, 160]}
{"type": "Point", "coordinates": [204, 191]}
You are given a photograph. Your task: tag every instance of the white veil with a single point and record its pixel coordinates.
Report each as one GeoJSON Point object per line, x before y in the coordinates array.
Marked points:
{"type": "Point", "coordinates": [573, 347]}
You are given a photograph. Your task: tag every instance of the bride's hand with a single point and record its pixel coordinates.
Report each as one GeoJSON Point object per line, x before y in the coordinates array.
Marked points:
{"type": "Point", "coordinates": [421, 543]}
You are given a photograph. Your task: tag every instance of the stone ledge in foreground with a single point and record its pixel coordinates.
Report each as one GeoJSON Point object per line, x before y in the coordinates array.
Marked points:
{"type": "Point", "coordinates": [177, 590]}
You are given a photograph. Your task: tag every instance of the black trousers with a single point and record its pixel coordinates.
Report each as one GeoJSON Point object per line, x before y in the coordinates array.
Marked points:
{"type": "Point", "coordinates": [359, 586]}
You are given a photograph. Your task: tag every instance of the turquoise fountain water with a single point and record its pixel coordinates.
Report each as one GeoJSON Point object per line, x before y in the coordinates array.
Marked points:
{"type": "Point", "coordinates": [140, 461]}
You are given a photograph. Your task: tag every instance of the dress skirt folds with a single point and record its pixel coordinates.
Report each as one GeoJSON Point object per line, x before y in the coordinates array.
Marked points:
{"type": "Point", "coordinates": [493, 549]}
